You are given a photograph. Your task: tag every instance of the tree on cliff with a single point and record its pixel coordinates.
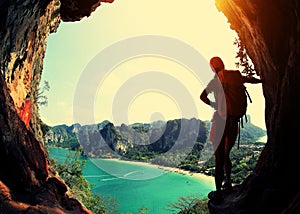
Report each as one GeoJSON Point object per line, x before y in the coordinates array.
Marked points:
{"type": "Point", "coordinates": [40, 96]}
{"type": "Point", "coordinates": [71, 172]}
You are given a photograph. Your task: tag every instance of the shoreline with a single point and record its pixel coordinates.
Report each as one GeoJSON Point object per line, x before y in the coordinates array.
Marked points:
{"type": "Point", "coordinates": [200, 176]}
{"type": "Point", "coordinates": [167, 169]}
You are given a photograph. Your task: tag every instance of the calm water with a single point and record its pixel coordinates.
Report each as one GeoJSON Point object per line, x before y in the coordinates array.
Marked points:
{"type": "Point", "coordinates": [135, 185]}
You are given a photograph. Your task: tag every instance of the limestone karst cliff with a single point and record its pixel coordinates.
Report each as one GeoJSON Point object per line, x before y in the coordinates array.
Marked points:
{"type": "Point", "coordinates": [108, 140]}
{"type": "Point", "coordinates": [269, 28]}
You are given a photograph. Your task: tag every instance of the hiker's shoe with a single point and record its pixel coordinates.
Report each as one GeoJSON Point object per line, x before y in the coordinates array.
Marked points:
{"type": "Point", "coordinates": [227, 185]}
{"type": "Point", "coordinates": [215, 197]}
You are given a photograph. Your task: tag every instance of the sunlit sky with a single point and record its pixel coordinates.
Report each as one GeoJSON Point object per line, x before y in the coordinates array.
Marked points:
{"type": "Point", "coordinates": [140, 88]}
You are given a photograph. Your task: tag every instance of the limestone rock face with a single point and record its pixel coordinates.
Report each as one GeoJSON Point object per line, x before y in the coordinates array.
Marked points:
{"type": "Point", "coordinates": [24, 28]}
{"type": "Point", "coordinates": [270, 30]}
{"type": "Point", "coordinates": [22, 159]}
{"type": "Point", "coordinates": [26, 183]}
{"type": "Point", "coordinates": [76, 10]}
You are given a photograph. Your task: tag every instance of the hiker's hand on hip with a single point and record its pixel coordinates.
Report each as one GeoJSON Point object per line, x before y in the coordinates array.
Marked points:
{"type": "Point", "coordinates": [214, 105]}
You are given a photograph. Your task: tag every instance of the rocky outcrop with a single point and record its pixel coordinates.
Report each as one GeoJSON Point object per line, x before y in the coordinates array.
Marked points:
{"type": "Point", "coordinates": [27, 185]}
{"type": "Point", "coordinates": [19, 168]}
{"type": "Point", "coordinates": [25, 27]}
{"type": "Point", "coordinates": [105, 139]}
{"type": "Point", "coordinates": [76, 10]}
{"type": "Point", "coordinates": [270, 30]}
{"type": "Point", "coordinates": [62, 136]}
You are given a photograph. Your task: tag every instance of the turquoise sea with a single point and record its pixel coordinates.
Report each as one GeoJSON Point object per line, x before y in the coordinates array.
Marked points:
{"type": "Point", "coordinates": [135, 185]}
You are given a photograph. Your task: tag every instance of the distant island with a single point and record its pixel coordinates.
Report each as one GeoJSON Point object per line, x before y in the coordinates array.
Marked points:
{"type": "Point", "coordinates": [180, 143]}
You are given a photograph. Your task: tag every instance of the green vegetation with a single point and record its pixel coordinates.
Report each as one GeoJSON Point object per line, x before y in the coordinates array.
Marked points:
{"type": "Point", "coordinates": [243, 162]}
{"type": "Point", "coordinates": [189, 205]}
{"type": "Point", "coordinates": [65, 138]}
{"type": "Point", "coordinates": [44, 127]}
{"type": "Point", "coordinates": [140, 155]}
{"type": "Point", "coordinates": [71, 172]}
{"type": "Point", "coordinates": [40, 95]}
{"type": "Point", "coordinates": [243, 58]}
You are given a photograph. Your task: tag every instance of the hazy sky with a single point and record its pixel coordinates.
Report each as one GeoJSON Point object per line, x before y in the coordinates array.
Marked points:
{"type": "Point", "coordinates": [101, 63]}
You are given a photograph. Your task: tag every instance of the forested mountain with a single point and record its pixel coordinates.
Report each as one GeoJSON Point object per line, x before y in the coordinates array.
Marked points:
{"type": "Point", "coordinates": [104, 139]}
{"type": "Point", "coordinates": [165, 143]}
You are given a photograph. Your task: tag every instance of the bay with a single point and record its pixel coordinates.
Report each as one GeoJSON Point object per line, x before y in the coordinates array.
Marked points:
{"type": "Point", "coordinates": [135, 185]}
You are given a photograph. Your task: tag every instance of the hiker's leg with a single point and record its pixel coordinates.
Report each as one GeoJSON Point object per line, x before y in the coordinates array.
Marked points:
{"type": "Point", "coordinates": [218, 139]}
{"type": "Point", "coordinates": [227, 163]}
{"type": "Point", "coordinates": [219, 167]}
{"type": "Point", "coordinates": [229, 143]}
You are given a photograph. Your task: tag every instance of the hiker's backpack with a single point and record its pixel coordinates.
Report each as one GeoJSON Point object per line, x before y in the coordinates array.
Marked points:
{"type": "Point", "coordinates": [235, 94]}
{"type": "Point", "coordinates": [234, 91]}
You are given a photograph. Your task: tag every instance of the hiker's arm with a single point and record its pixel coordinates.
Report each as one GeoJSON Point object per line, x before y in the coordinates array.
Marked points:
{"type": "Point", "coordinates": [205, 99]}
{"type": "Point", "coordinates": [252, 80]}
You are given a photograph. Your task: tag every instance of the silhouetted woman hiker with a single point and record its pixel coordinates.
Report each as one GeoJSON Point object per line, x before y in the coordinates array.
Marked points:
{"type": "Point", "coordinates": [222, 141]}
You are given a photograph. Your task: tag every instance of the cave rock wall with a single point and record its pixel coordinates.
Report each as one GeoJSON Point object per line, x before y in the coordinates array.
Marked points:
{"type": "Point", "coordinates": [271, 32]}
{"type": "Point", "coordinates": [27, 183]}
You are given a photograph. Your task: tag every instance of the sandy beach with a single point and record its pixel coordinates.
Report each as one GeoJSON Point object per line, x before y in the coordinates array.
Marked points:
{"type": "Point", "coordinates": [201, 176]}
{"type": "Point", "coordinates": [185, 172]}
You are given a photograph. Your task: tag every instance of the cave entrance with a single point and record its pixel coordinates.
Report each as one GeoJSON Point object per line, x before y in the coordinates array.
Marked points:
{"type": "Point", "coordinates": [72, 48]}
